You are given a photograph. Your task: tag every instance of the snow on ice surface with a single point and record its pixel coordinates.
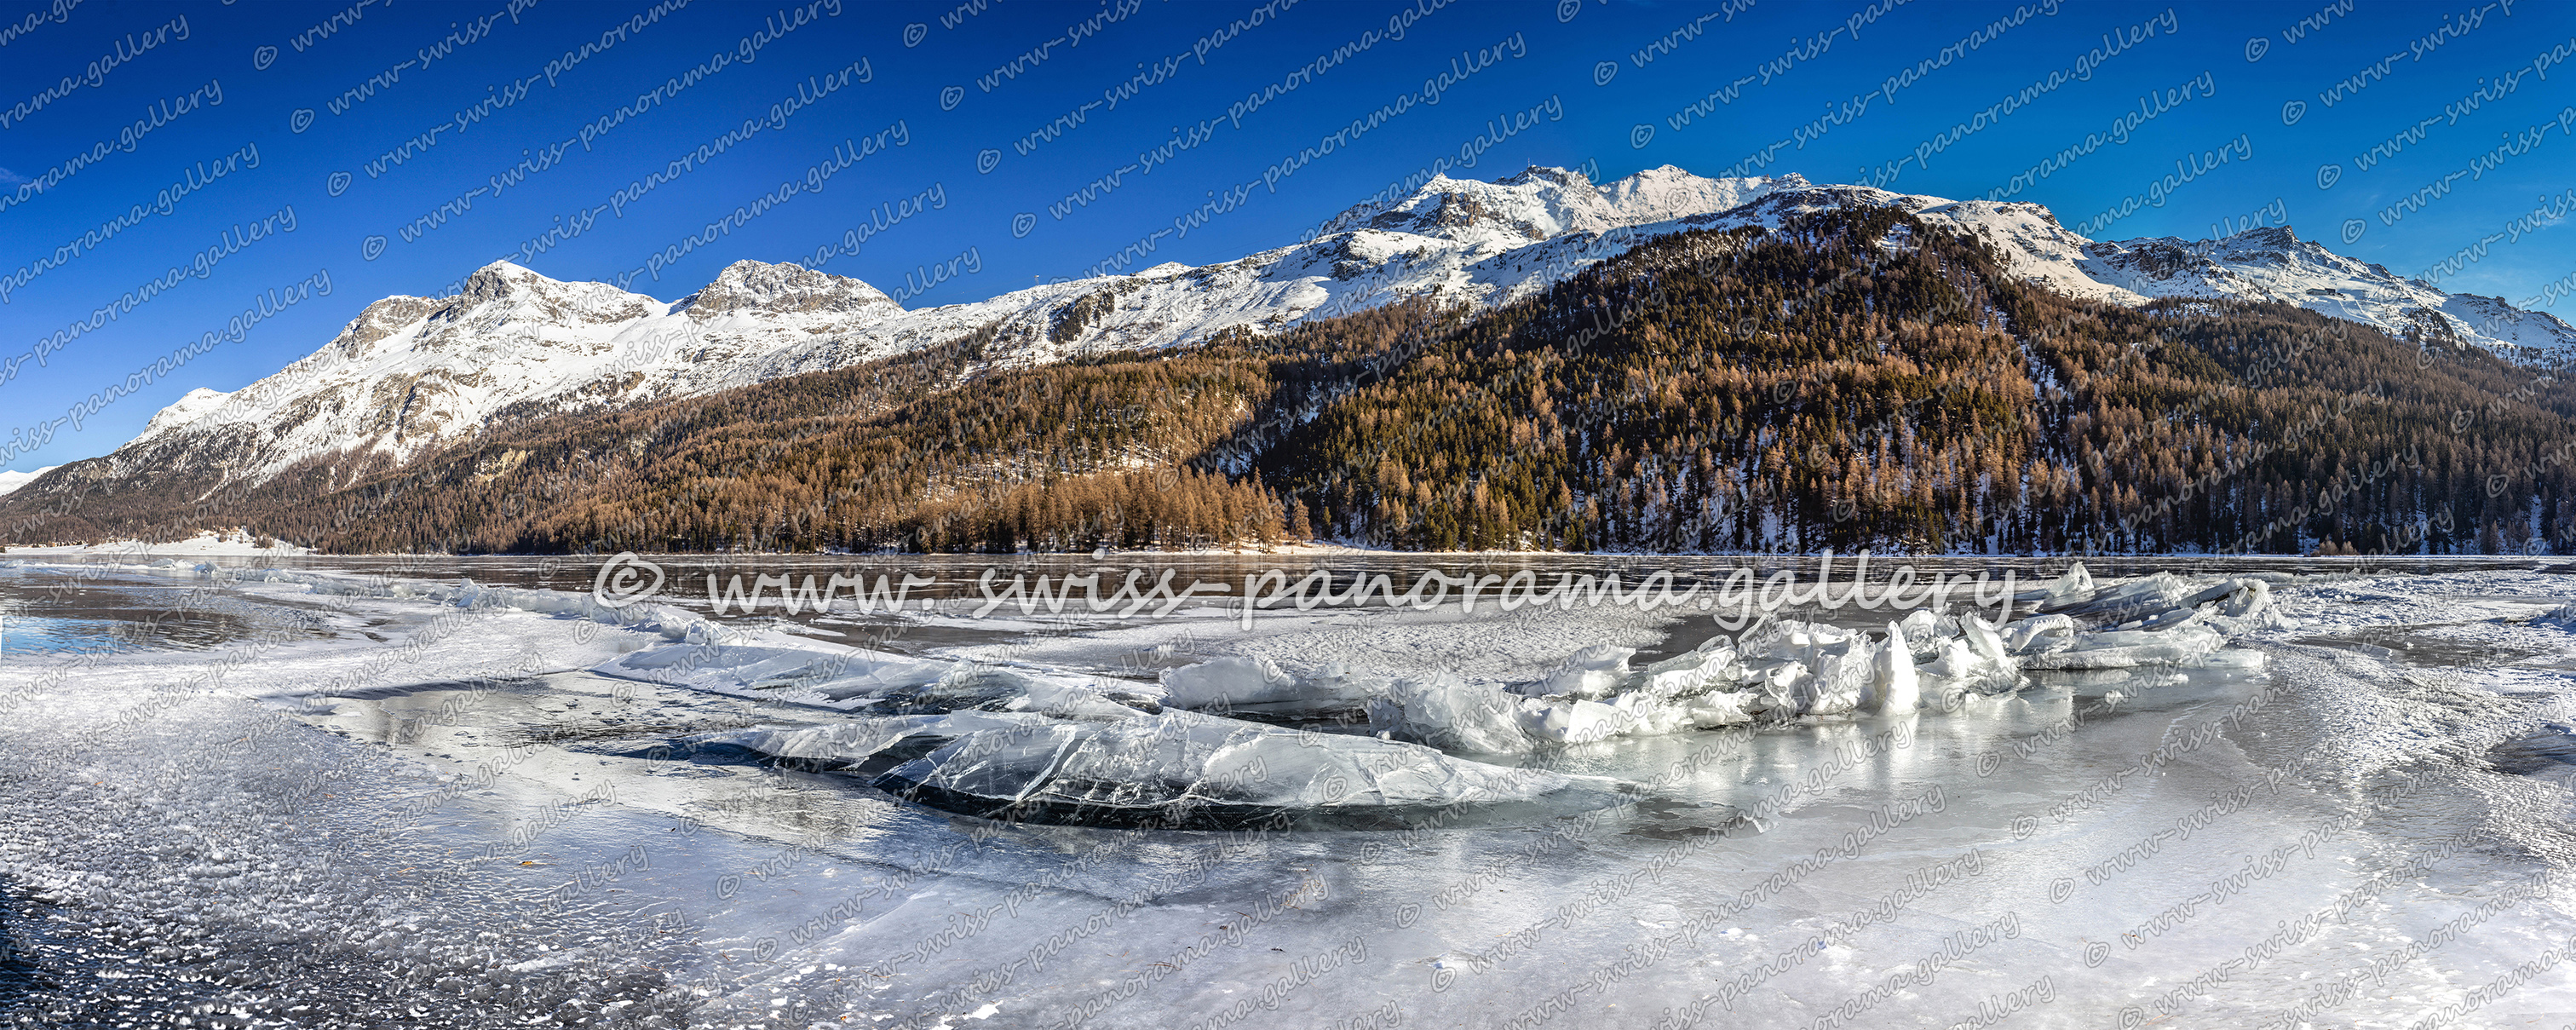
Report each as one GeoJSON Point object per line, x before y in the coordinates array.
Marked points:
{"type": "Point", "coordinates": [2118, 831]}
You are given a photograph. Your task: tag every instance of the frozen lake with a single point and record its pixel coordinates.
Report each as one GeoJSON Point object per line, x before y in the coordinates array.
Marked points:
{"type": "Point", "coordinates": [462, 792]}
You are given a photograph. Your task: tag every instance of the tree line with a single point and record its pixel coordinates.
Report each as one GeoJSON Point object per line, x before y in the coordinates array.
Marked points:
{"type": "Point", "coordinates": [1853, 379]}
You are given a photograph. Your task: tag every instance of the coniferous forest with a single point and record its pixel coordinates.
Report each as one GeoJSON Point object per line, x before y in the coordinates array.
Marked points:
{"type": "Point", "coordinates": [1854, 380]}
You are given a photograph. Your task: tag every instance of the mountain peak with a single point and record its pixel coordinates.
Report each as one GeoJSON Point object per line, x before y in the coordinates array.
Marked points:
{"type": "Point", "coordinates": [500, 279]}
{"type": "Point", "coordinates": [2277, 237]}
{"type": "Point", "coordinates": [1541, 202]}
{"type": "Point", "coordinates": [760, 286]}
{"type": "Point", "coordinates": [184, 410]}
{"type": "Point", "coordinates": [1549, 173]}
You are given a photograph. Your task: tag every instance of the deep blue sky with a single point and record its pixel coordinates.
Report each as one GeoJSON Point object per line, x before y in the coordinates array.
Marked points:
{"type": "Point", "coordinates": [1569, 47]}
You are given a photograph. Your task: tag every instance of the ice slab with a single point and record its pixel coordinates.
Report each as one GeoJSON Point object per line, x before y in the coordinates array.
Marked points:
{"type": "Point", "coordinates": [1577, 721]}
{"type": "Point", "coordinates": [1594, 672]}
{"type": "Point", "coordinates": [1893, 685]}
{"type": "Point", "coordinates": [1187, 770]}
{"type": "Point", "coordinates": [841, 744]}
{"type": "Point", "coordinates": [855, 680]}
{"type": "Point", "coordinates": [1445, 711]}
{"type": "Point", "coordinates": [1256, 685]}
{"type": "Point", "coordinates": [2120, 649]}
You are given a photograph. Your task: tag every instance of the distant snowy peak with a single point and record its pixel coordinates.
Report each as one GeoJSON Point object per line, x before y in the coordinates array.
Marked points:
{"type": "Point", "coordinates": [1666, 193]}
{"type": "Point", "coordinates": [2536, 333]}
{"type": "Point", "coordinates": [502, 293]}
{"type": "Point", "coordinates": [1542, 203]}
{"type": "Point", "coordinates": [10, 481]}
{"type": "Point", "coordinates": [2273, 263]}
{"type": "Point", "coordinates": [2033, 244]}
{"type": "Point", "coordinates": [409, 372]}
{"type": "Point", "coordinates": [2253, 264]}
{"type": "Point", "coordinates": [759, 288]}
{"type": "Point", "coordinates": [184, 410]}
{"type": "Point", "coordinates": [2270, 263]}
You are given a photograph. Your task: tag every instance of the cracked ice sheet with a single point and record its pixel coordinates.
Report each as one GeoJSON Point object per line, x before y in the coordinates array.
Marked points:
{"type": "Point", "coordinates": [972, 902]}
{"type": "Point", "coordinates": [2486, 617]}
{"type": "Point", "coordinates": [178, 844]}
{"type": "Point", "coordinates": [2052, 934]}
{"type": "Point", "coordinates": [1438, 902]}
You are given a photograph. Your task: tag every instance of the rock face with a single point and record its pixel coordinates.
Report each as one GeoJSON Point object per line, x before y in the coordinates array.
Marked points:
{"type": "Point", "coordinates": [409, 372]}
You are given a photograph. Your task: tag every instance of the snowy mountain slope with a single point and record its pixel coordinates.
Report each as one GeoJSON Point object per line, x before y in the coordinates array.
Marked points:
{"type": "Point", "coordinates": [412, 371]}
{"type": "Point", "coordinates": [1540, 204]}
{"type": "Point", "coordinates": [409, 372]}
{"type": "Point", "coordinates": [2273, 263]}
{"type": "Point", "coordinates": [2263, 264]}
{"type": "Point", "coordinates": [12, 480]}
{"type": "Point", "coordinates": [2033, 244]}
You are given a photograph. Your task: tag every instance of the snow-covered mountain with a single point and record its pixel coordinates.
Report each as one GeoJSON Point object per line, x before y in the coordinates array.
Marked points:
{"type": "Point", "coordinates": [408, 372]}
{"type": "Point", "coordinates": [12, 480]}
{"type": "Point", "coordinates": [2275, 264]}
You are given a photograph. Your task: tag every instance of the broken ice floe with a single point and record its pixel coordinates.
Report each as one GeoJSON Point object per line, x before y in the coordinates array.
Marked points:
{"type": "Point", "coordinates": [1205, 747]}
{"type": "Point", "coordinates": [865, 681]}
{"type": "Point", "coordinates": [1776, 670]}
{"type": "Point", "coordinates": [1183, 770]}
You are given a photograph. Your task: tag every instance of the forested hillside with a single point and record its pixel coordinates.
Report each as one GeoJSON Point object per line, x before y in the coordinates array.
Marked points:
{"type": "Point", "coordinates": [1813, 389]}
{"type": "Point", "coordinates": [1854, 380]}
